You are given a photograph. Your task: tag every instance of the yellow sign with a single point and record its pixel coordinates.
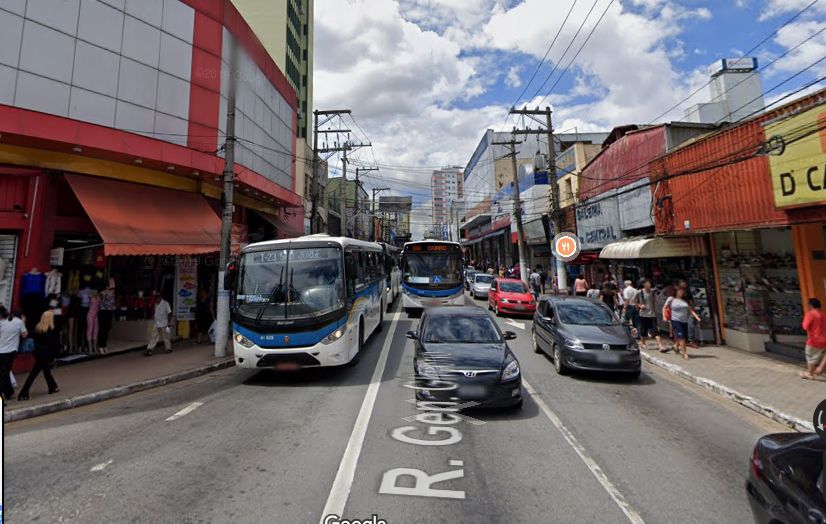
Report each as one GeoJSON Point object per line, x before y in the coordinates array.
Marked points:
{"type": "Point", "coordinates": [799, 172]}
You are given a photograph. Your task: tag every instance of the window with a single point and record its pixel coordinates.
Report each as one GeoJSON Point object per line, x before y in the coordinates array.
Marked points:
{"type": "Point", "coordinates": [460, 330]}
{"type": "Point", "coordinates": [305, 55]}
{"type": "Point", "coordinates": [305, 29]}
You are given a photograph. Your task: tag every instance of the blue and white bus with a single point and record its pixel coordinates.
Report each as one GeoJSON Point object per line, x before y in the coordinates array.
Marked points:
{"type": "Point", "coordinates": [306, 302]}
{"type": "Point", "coordinates": [432, 274]}
{"type": "Point", "coordinates": [392, 258]}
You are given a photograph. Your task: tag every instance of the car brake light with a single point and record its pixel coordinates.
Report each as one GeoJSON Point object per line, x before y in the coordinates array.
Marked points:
{"type": "Point", "coordinates": [755, 463]}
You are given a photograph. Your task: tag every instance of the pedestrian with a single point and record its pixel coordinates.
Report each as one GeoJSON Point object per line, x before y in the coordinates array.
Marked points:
{"type": "Point", "coordinates": [580, 286]}
{"type": "Point", "coordinates": [629, 307]}
{"type": "Point", "coordinates": [543, 277]}
{"type": "Point", "coordinates": [593, 292]}
{"type": "Point", "coordinates": [536, 282]}
{"type": "Point", "coordinates": [689, 297]}
{"type": "Point", "coordinates": [489, 270]}
{"type": "Point", "coordinates": [609, 297]}
{"type": "Point", "coordinates": [12, 329]}
{"type": "Point", "coordinates": [108, 303]}
{"type": "Point", "coordinates": [681, 312]}
{"type": "Point", "coordinates": [46, 348]}
{"type": "Point", "coordinates": [161, 325]}
{"type": "Point", "coordinates": [814, 322]}
{"type": "Point", "coordinates": [204, 315]}
{"type": "Point", "coordinates": [92, 325]}
{"type": "Point", "coordinates": [501, 271]}
{"type": "Point", "coordinates": [646, 302]}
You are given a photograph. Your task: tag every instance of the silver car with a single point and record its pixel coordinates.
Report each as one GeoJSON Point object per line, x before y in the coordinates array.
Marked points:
{"type": "Point", "coordinates": [481, 285]}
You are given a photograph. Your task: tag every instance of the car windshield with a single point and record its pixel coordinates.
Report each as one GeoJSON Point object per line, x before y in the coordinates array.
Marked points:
{"type": "Point", "coordinates": [484, 279]}
{"type": "Point", "coordinates": [456, 329]}
{"type": "Point", "coordinates": [582, 313]}
{"type": "Point", "coordinates": [513, 287]}
{"type": "Point", "coordinates": [291, 283]}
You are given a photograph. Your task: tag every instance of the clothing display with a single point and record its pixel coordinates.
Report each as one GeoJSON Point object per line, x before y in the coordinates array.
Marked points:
{"type": "Point", "coordinates": [105, 317]}
{"type": "Point", "coordinates": [74, 281]}
{"type": "Point", "coordinates": [33, 282]}
{"type": "Point", "coordinates": [53, 282]}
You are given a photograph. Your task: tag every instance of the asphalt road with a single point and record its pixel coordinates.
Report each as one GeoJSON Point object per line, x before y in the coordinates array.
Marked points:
{"type": "Point", "coordinates": [243, 446]}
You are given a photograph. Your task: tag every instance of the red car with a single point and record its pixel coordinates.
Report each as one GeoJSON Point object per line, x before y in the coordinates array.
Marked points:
{"type": "Point", "coordinates": [509, 295]}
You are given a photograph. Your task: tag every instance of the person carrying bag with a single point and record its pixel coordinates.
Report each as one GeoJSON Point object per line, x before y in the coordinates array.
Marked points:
{"type": "Point", "coordinates": [46, 349]}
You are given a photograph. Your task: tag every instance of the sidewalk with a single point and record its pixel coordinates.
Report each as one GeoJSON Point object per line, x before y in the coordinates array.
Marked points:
{"type": "Point", "coordinates": [102, 379]}
{"type": "Point", "coordinates": [768, 385]}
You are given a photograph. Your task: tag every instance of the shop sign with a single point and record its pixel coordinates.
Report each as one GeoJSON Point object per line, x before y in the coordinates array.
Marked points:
{"type": "Point", "coordinates": [798, 160]}
{"type": "Point", "coordinates": [186, 288]}
{"type": "Point", "coordinates": [535, 232]}
{"type": "Point", "coordinates": [566, 162]}
{"type": "Point", "coordinates": [597, 221]}
{"type": "Point", "coordinates": [635, 205]}
{"type": "Point", "coordinates": [55, 257]}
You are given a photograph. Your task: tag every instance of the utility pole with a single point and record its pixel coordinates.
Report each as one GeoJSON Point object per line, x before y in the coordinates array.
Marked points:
{"type": "Point", "coordinates": [373, 236]}
{"type": "Point", "coordinates": [316, 167]}
{"type": "Point", "coordinates": [343, 193]}
{"type": "Point", "coordinates": [517, 209]}
{"type": "Point", "coordinates": [222, 311]}
{"type": "Point", "coordinates": [332, 113]}
{"type": "Point", "coordinates": [555, 215]}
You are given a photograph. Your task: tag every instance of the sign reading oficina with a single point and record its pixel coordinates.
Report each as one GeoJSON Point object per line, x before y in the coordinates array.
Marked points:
{"type": "Point", "coordinates": [798, 159]}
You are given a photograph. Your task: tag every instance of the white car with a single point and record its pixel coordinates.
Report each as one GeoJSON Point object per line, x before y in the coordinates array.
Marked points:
{"type": "Point", "coordinates": [481, 285]}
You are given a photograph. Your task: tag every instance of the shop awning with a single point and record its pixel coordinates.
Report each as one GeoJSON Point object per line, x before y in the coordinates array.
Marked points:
{"type": "Point", "coordinates": [134, 219]}
{"type": "Point", "coordinates": [660, 247]}
{"type": "Point", "coordinates": [476, 221]}
{"type": "Point", "coordinates": [489, 235]}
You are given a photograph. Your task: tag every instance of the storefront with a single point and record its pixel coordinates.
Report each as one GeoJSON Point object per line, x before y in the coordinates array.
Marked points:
{"type": "Point", "coordinates": [667, 261]}
{"type": "Point", "coordinates": [598, 225]}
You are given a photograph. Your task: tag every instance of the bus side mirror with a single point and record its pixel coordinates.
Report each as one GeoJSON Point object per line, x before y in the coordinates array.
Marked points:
{"type": "Point", "coordinates": [231, 276]}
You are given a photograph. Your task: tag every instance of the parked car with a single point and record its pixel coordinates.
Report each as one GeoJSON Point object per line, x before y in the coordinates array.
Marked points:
{"type": "Point", "coordinates": [584, 334]}
{"type": "Point", "coordinates": [785, 484]}
{"type": "Point", "coordinates": [462, 354]}
{"type": "Point", "coordinates": [469, 277]}
{"type": "Point", "coordinates": [508, 295]}
{"type": "Point", "coordinates": [481, 285]}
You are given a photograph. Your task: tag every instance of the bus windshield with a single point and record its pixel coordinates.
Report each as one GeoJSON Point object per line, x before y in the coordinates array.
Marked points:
{"type": "Point", "coordinates": [432, 269]}
{"type": "Point", "coordinates": [290, 283]}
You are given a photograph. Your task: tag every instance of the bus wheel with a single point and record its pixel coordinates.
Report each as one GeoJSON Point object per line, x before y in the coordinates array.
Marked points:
{"type": "Point", "coordinates": [380, 327]}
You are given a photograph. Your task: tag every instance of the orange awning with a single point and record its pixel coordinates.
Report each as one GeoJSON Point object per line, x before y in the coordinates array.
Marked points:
{"type": "Point", "coordinates": [134, 219]}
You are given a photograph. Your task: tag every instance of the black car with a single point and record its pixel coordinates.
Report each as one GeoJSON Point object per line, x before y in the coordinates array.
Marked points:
{"type": "Point", "coordinates": [584, 334]}
{"type": "Point", "coordinates": [785, 484]}
{"type": "Point", "coordinates": [463, 355]}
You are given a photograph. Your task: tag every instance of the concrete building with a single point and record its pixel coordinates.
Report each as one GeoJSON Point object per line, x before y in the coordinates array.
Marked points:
{"type": "Point", "coordinates": [446, 186]}
{"type": "Point", "coordinates": [358, 220]}
{"type": "Point", "coordinates": [285, 28]}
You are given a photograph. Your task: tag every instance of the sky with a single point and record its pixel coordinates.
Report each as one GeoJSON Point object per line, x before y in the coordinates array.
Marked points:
{"type": "Point", "coordinates": [425, 78]}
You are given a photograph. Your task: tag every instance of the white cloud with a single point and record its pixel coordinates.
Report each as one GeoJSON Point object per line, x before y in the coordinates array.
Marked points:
{"type": "Point", "coordinates": [513, 80]}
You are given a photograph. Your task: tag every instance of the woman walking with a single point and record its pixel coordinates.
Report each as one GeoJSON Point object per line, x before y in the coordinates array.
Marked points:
{"type": "Point", "coordinates": [609, 297]}
{"type": "Point", "coordinates": [680, 310]}
{"type": "Point", "coordinates": [46, 348]}
{"type": "Point", "coordinates": [580, 286]}
{"type": "Point", "coordinates": [204, 315]}
{"type": "Point", "coordinates": [92, 324]}
{"type": "Point", "coordinates": [12, 330]}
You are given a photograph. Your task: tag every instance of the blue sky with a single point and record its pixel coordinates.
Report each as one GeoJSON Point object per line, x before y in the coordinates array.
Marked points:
{"type": "Point", "coordinates": [426, 78]}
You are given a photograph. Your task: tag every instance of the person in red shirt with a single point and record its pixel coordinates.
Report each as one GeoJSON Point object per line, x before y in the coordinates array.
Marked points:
{"type": "Point", "coordinates": [815, 325]}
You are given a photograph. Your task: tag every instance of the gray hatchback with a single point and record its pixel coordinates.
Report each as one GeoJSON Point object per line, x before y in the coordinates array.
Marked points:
{"type": "Point", "coordinates": [583, 334]}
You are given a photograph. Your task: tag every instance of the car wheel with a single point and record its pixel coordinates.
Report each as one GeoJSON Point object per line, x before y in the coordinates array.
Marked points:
{"type": "Point", "coordinates": [559, 366]}
{"type": "Point", "coordinates": [490, 308]}
{"type": "Point", "coordinates": [635, 375]}
{"type": "Point", "coordinates": [496, 310]}
{"type": "Point", "coordinates": [536, 348]}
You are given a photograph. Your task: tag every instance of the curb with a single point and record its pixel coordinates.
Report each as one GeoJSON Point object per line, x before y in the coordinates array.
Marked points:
{"type": "Point", "coordinates": [108, 394]}
{"type": "Point", "coordinates": [733, 395]}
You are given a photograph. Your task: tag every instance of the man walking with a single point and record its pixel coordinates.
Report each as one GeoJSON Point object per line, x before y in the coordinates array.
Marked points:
{"type": "Point", "coordinates": [12, 329]}
{"type": "Point", "coordinates": [692, 330]}
{"type": "Point", "coordinates": [815, 325]}
{"type": "Point", "coordinates": [536, 282]}
{"type": "Point", "coordinates": [646, 302]}
{"type": "Point", "coordinates": [161, 325]}
{"type": "Point", "coordinates": [629, 307]}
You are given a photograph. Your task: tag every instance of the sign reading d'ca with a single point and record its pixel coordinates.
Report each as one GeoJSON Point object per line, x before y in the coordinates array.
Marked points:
{"type": "Point", "coordinates": [799, 171]}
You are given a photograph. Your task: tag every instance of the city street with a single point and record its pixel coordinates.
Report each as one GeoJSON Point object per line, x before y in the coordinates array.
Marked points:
{"type": "Point", "coordinates": [251, 447]}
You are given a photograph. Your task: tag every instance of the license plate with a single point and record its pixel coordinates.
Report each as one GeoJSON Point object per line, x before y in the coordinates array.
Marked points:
{"type": "Point", "coordinates": [609, 358]}
{"type": "Point", "coordinates": [519, 307]}
{"type": "Point", "coordinates": [287, 366]}
{"type": "Point", "coordinates": [472, 392]}
{"type": "Point", "coordinates": [434, 302]}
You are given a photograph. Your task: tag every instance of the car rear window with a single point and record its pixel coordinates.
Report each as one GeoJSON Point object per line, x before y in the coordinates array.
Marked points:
{"type": "Point", "coordinates": [446, 329]}
{"type": "Point", "coordinates": [484, 279]}
{"type": "Point", "coordinates": [513, 287]}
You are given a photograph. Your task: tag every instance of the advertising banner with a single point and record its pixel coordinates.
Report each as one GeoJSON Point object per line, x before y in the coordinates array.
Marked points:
{"type": "Point", "coordinates": [798, 171]}
{"type": "Point", "coordinates": [597, 222]}
{"type": "Point", "coordinates": [186, 288]}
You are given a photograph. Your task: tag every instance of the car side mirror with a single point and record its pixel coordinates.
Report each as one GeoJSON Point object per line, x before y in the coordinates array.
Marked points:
{"type": "Point", "coordinates": [509, 335]}
{"type": "Point", "coordinates": [413, 335]}
{"type": "Point", "coordinates": [548, 319]}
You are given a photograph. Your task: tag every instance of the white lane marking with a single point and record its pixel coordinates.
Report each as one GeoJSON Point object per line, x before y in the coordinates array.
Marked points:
{"type": "Point", "coordinates": [615, 494]}
{"type": "Point", "coordinates": [347, 469]}
{"type": "Point", "coordinates": [512, 322]}
{"type": "Point", "coordinates": [101, 467]}
{"type": "Point", "coordinates": [187, 410]}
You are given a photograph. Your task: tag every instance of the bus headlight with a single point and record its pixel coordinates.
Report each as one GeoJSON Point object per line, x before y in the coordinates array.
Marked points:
{"type": "Point", "coordinates": [388, 289]}
{"type": "Point", "coordinates": [335, 335]}
{"type": "Point", "coordinates": [244, 341]}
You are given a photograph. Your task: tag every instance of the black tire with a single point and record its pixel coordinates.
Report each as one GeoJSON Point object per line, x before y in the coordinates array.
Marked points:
{"type": "Point", "coordinates": [357, 358]}
{"type": "Point", "coordinates": [634, 375]}
{"type": "Point", "coordinates": [559, 366]}
{"type": "Point", "coordinates": [380, 327]}
{"type": "Point", "coordinates": [489, 306]}
{"type": "Point", "coordinates": [536, 348]}
{"type": "Point", "coordinates": [496, 310]}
